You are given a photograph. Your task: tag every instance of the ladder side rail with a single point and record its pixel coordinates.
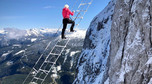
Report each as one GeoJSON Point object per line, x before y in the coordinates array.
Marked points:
{"type": "Point", "coordinates": [79, 9]}
{"type": "Point", "coordinates": [85, 12]}
{"type": "Point", "coordinates": [37, 62]}
{"type": "Point", "coordinates": [53, 63]}
{"type": "Point", "coordinates": [74, 4]}
{"type": "Point", "coordinates": [66, 43]}
{"type": "Point", "coordinates": [57, 42]}
{"type": "Point", "coordinates": [78, 12]}
{"type": "Point", "coordinates": [80, 3]}
{"type": "Point", "coordinates": [58, 30]}
{"type": "Point", "coordinates": [45, 59]}
{"type": "Point", "coordinates": [56, 59]}
{"type": "Point", "coordinates": [45, 68]}
{"type": "Point", "coordinates": [63, 48]}
{"type": "Point", "coordinates": [43, 53]}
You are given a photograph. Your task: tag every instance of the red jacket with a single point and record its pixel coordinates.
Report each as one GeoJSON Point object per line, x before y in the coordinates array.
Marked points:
{"type": "Point", "coordinates": [66, 13]}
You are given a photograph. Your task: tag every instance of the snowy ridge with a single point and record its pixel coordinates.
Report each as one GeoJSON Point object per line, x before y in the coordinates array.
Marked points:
{"type": "Point", "coordinates": [92, 64]}
{"type": "Point", "coordinates": [12, 33]}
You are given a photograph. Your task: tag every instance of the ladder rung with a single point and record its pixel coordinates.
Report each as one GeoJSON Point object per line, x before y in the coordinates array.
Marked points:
{"type": "Point", "coordinates": [54, 54]}
{"type": "Point", "coordinates": [38, 78]}
{"type": "Point", "coordinates": [85, 3]}
{"type": "Point", "coordinates": [49, 62]}
{"type": "Point", "coordinates": [45, 71]}
{"type": "Point", "coordinates": [35, 70]}
{"type": "Point", "coordinates": [78, 17]}
{"type": "Point", "coordinates": [59, 46]}
{"type": "Point", "coordinates": [81, 10]}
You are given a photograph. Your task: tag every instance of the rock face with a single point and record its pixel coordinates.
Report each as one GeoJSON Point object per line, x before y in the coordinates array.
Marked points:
{"type": "Point", "coordinates": [131, 40]}
{"type": "Point", "coordinates": [93, 65]}
{"type": "Point", "coordinates": [118, 45]}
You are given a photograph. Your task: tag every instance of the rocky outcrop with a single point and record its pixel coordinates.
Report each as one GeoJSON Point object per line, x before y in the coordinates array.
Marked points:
{"type": "Point", "coordinates": [131, 43]}
{"type": "Point", "coordinates": [92, 64]}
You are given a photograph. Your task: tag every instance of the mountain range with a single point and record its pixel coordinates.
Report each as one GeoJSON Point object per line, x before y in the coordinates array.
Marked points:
{"type": "Point", "coordinates": [20, 49]}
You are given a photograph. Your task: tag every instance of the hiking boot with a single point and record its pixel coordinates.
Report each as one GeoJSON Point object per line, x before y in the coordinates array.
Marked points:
{"type": "Point", "coordinates": [72, 30]}
{"type": "Point", "coordinates": [63, 37]}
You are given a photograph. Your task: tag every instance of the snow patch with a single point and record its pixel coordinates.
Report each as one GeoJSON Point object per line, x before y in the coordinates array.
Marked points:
{"type": "Point", "coordinates": [149, 61]}
{"type": "Point", "coordinates": [19, 52]}
{"type": "Point", "coordinates": [9, 63]}
{"type": "Point", "coordinates": [73, 53]}
{"type": "Point", "coordinates": [121, 77]}
{"type": "Point", "coordinates": [17, 45]}
{"type": "Point", "coordinates": [48, 30]}
{"type": "Point", "coordinates": [28, 45]}
{"type": "Point", "coordinates": [58, 68]}
{"type": "Point", "coordinates": [5, 54]}
{"type": "Point", "coordinates": [150, 82]}
{"type": "Point", "coordinates": [119, 53]}
{"type": "Point", "coordinates": [77, 34]}
{"type": "Point", "coordinates": [54, 76]}
{"type": "Point", "coordinates": [33, 39]}
{"type": "Point", "coordinates": [107, 81]}
{"type": "Point", "coordinates": [32, 32]}
{"type": "Point", "coordinates": [55, 70]}
{"type": "Point", "coordinates": [65, 58]}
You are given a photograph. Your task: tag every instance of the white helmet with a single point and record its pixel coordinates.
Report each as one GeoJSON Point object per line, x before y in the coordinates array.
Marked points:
{"type": "Point", "coordinates": [66, 6]}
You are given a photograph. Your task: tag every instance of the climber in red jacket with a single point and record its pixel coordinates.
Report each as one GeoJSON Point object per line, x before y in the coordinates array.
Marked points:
{"type": "Point", "coordinates": [66, 15]}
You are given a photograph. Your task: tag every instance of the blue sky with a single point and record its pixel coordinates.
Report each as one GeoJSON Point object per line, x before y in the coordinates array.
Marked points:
{"type": "Point", "coordinates": [26, 14]}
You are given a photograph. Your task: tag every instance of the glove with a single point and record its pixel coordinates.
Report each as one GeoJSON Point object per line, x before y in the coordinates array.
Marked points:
{"type": "Point", "coordinates": [73, 11]}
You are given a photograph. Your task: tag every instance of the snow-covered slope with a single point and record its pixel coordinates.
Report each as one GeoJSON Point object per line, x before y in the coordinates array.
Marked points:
{"type": "Point", "coordinates": [118, 50]}
{"type": "Point", "coordinates": [92, 64]}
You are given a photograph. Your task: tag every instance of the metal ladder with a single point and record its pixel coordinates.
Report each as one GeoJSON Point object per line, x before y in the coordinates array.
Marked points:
{"type": "Point", "coordinates": [81, 11]}
{"type": "Point", "coordinates": [39, 72]}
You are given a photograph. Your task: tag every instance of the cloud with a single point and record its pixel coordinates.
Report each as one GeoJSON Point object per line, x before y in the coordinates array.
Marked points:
{"type": "Point", "coordinates": [48, 7]}
{"type": "Point", "coordinates": [13, 33]}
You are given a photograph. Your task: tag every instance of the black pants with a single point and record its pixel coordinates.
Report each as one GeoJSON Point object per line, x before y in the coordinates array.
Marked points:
{"type": "Point", "coordinates": [65, 22]}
